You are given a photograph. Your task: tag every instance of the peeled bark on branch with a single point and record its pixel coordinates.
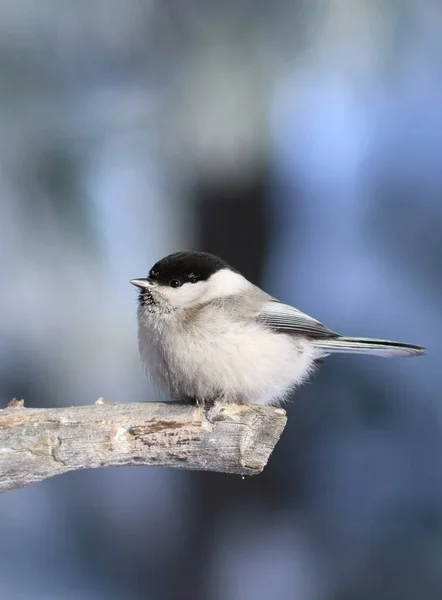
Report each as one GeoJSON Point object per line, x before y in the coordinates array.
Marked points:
{"type": "Point", "coordinates": [37, 443]}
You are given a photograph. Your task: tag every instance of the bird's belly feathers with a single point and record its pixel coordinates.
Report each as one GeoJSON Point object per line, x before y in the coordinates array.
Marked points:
{"type": "Point", "coordinates": [231, 361]}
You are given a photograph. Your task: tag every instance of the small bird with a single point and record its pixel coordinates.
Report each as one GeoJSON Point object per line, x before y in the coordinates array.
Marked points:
{"type": "Point", "coordinates": [207, 334]}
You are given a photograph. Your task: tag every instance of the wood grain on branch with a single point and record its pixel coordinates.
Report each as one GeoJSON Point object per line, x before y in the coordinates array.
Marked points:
{"type": "Point", "coordinates": [37, 443]}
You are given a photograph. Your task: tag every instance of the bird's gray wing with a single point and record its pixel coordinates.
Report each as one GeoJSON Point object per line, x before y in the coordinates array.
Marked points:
{"type": "Point", "coordinates": [288, 319]}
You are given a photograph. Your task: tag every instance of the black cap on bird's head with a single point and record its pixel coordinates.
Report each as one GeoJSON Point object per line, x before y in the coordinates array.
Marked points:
{"type": "Point", "coordinates": [183, 267]}
{"type": "Point", "coordinates": [198, 275]}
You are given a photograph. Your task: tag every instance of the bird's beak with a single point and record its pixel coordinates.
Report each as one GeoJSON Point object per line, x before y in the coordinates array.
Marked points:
{"type": "Point", "coordinates": [141, 283]}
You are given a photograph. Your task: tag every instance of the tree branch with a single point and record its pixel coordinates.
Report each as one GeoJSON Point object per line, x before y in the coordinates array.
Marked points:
{"type": "Point", "coordinates": [37, 443]}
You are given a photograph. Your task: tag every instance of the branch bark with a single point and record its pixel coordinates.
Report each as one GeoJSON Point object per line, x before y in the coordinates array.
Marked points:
{"type": "Point", "coordinates": [37, 443]}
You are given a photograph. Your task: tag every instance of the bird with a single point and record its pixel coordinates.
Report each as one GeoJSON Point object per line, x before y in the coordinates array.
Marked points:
{"type": "Point", "coordinates": [207, 335]}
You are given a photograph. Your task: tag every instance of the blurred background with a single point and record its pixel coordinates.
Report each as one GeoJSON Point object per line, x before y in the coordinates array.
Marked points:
{"type": "Point", "coordinates": [301, 141]}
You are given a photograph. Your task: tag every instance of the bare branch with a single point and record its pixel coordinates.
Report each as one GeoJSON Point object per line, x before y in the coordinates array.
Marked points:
{"type": "Point", "coordinates": [37, 443]}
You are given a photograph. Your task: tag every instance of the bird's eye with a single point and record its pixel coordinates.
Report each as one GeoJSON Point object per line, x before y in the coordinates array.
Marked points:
{"type": "Point", "coordinates": [175, 283]}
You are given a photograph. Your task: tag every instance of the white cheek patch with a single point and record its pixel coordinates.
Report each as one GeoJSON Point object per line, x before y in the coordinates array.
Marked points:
{"type": "Point", "coordinates": [220, 284]}
{"type": "Point", "coordinates": [225, 283]}
{"type": "Point", "coordinates": [186, 295]}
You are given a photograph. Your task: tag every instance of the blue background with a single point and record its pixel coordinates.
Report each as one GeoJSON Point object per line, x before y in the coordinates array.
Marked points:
{"type": "Point", "coordinates": [301, 141]}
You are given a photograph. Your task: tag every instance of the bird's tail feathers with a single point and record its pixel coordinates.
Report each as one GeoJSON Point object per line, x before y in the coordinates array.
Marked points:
{"type": "Point", "coordinates": [384, 348]}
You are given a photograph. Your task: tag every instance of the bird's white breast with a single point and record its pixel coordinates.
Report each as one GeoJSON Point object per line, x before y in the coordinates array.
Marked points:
{"type": "Point", "coordinates": [211, 356]}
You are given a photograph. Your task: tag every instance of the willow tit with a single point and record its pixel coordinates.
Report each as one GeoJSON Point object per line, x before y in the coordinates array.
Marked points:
{"type": "Point", "coordinates": [208, 334]}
